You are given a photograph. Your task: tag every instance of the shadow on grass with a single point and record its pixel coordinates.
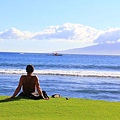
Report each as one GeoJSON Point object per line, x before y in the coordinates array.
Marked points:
{"type": "Point", "coordinates": [11, 100]}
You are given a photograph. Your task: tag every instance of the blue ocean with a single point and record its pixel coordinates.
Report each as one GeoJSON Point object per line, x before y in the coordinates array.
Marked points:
{"type": "Point", "coordinates": [77, 76]}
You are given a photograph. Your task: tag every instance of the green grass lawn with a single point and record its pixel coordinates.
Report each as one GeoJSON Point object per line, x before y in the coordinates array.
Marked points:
{"type": "Point", "coordinates": [58, 109]}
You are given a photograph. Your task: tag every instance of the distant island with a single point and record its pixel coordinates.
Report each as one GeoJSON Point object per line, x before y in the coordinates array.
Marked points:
{"type": "Point", "coordinates": [99, 49]}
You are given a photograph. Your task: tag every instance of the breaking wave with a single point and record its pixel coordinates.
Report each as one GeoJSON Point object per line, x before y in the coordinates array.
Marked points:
{"type": "Point", "coordinates": [65, 73]}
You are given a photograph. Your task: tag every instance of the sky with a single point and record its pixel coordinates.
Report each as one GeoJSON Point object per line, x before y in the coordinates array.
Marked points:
{"type": "Point", "coordinates": [53, 25]}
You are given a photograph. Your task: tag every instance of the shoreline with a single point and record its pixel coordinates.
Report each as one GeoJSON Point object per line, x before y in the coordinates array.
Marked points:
{"type": "Point", "coordinates": [62, 97]}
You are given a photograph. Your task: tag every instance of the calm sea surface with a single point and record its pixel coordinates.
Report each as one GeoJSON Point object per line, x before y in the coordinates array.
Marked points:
{"type": "Point", "coordinates": [79, 76]}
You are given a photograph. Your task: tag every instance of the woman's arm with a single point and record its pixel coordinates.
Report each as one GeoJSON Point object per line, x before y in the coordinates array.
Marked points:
{"type": "Point", "coordinates": [38, 87]}
{"type": "Point", "coordinates": [18, 88]}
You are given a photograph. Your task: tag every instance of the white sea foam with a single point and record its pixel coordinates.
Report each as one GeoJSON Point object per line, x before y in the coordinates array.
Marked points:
{"type": "Point", "coordinates": [65, 73]}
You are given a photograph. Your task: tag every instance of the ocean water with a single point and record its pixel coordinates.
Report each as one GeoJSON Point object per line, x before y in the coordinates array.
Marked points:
{"type": "Point", "coordinates": [79, 76]}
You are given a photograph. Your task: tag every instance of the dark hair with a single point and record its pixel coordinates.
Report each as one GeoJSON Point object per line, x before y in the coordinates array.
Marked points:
{"type": "Point", "coordinates": [29, 68]}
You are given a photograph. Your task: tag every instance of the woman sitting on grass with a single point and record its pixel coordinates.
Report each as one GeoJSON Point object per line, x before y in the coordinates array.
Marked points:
{"type": "Point", "coordinates": [30, 84]}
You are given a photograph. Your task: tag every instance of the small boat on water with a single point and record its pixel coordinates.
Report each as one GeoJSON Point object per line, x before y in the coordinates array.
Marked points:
{"type": "Point", "coordinates": [57, 54]}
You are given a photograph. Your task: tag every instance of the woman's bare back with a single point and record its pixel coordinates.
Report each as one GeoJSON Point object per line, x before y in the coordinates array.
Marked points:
{"type": "Point", "coordinates": [28, 84]}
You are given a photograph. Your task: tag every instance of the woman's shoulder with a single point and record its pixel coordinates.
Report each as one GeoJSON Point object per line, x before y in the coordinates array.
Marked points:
{"type": "Point", "coordinates": [32, 76]}
{"type": "Point", "coordinates": [23, 76]}
{"type": "Point", "coordinates": [27, 75]}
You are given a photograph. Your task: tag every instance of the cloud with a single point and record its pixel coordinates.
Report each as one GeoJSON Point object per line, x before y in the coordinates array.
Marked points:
{"type": "Point", "coordinates": [69, 31]}
{"type": "Point", "coordinates": [111, 35]}
{"type": "Point", "coordinates": [14, 33]}
{"type": "Point", "coordinates": [66, 32]}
